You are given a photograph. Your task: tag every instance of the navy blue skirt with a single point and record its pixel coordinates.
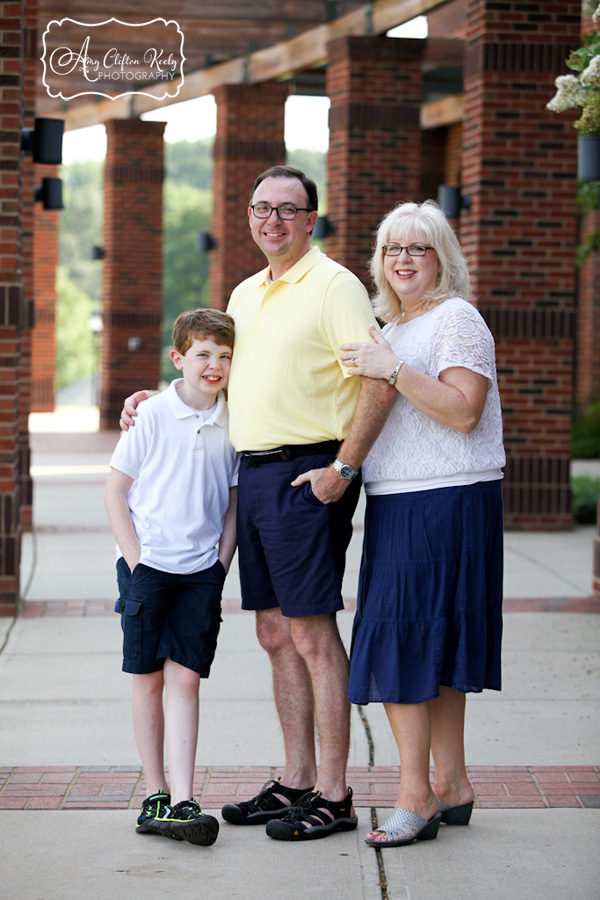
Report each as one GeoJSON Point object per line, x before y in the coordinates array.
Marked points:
{"type": "Point", "coordinates": [429, 607]}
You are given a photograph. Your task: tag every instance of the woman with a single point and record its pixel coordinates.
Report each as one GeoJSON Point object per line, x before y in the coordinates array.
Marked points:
{"type": "Point", "coordinates": [428, 625]}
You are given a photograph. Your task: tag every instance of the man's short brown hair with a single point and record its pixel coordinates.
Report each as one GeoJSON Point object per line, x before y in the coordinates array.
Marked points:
{"type": "Point", "coordinates": [290, 172]}
{"type": "Point", "coordinates": [202, 324]}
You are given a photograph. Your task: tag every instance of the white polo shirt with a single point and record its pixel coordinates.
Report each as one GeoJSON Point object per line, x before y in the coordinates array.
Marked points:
{"type": "Point", "coordinates": [183, 465]}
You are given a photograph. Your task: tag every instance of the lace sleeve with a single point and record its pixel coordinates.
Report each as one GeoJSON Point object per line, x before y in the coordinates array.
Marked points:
{"type": "Point", "coordinates": [462, 338]}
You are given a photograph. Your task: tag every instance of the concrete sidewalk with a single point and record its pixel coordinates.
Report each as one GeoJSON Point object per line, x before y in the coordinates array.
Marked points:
{"type": "Point", "coordinates": [70, 776]}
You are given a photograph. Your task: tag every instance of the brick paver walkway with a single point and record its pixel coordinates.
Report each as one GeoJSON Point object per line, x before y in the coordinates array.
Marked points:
{"type": "Point", "coordinates": [122, 787]}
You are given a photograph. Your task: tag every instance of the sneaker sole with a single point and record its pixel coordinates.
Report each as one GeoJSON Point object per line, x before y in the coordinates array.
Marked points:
{"type": "Point", "coordinates": [202, 832]}
{"type": "Point", "coordinates": [148, 827]}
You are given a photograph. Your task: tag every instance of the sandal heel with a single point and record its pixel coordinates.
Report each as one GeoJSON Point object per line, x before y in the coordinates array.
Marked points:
{"type": "Point", "coordinates": [458, 815]}
{"type": "Point", "coordinates": [429, 833]}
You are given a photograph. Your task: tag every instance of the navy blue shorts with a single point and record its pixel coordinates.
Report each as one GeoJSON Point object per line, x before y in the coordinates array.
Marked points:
{"type": "Point", "coordinates": [166, 615]}
{"type": "Point", "coordinates": [429, 609]}
{"type": "Point", "coordinates": [292, 547]}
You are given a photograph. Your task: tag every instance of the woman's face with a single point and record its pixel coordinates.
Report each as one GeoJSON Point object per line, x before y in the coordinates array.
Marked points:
{"type": "Point", "coordinates": [411, 277]}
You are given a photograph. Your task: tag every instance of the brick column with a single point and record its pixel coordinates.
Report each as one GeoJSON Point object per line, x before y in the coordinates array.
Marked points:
{"type": "Point", "coordinates": [587, 387]}
{"type": "Point", "coordinates": [43, 339]}
{"type": "Point", "coordinates": [132, 286]}
{"type": "Point", "coordinates": [30, 64]}
{"type": "Point", "coordinates": [374, 85]}
{"type": "Point", "coordinates": [11, 297]}
{"type": "Point", "coordinates": [249, 139]}
{"type": "Point", "coordinates": [519, 166]}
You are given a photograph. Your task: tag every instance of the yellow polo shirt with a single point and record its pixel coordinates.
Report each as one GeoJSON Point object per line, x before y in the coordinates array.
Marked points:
{"type": "Point", "coordinates": [287, 383]}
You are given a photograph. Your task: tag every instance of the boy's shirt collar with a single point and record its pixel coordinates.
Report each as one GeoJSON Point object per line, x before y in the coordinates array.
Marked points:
{"type": "Point", "coordinates": [218, 412]}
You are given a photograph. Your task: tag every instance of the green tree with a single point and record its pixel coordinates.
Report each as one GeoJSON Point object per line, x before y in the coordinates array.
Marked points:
{"type": "Point", "coordinates": [81, 224]}
{"type": "Point", "coordinates": [187, 212]}
{"type": "Point", "coordinates": [76, 348]}
{"type": "Point", "coordinates": [314, 163]}
{"type": "Point", "coordinates": [190, 164]}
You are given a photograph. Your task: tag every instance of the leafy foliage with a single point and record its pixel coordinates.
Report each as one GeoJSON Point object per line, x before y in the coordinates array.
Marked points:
{"type": "Point", "coordinates": [76, 344]}
{"type": "Point", "coordinates": [187, 212]}
{"type": "Point", "coordinates": [585, 491]}
{"type": "Point", "coordinates": [585, 434]}
{"type": "Point", "coordinates": [81, 224]}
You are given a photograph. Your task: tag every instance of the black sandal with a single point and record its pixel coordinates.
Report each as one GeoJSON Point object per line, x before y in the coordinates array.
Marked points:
{"type": "Point", "coordinates": [313, 818]}
{"type": "Point", "coordinates": [265, 806]}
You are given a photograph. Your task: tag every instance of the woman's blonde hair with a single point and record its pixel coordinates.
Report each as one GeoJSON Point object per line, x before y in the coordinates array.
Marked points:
{"type": "Point", "coordinates": [424, 222]}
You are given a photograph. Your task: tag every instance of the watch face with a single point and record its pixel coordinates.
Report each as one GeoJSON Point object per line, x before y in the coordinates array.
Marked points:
{"type": "Point", "coordinates": [345, 471]}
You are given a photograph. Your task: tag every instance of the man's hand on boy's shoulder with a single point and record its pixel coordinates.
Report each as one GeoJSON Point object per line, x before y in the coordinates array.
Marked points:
{"type": "Point", "coordinates": [128, 413]}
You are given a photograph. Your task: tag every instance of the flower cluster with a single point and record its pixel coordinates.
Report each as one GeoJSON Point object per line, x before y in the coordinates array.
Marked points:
{"type": "Point", "coordinates": [583, 90]}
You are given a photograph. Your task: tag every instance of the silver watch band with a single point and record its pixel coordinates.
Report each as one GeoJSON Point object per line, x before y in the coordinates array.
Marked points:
{"type": "Point", "coordinates": [394, 375]}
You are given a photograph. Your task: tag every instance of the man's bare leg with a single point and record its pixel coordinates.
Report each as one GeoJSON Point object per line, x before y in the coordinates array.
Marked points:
{"type": "Point", "coordinates": [318, 643]}
{"type": "Point", "coordinates": [293, 693]}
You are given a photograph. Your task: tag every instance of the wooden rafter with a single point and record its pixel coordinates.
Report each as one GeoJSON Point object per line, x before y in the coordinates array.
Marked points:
{"type": "Point", "coordinates": [282, 60]}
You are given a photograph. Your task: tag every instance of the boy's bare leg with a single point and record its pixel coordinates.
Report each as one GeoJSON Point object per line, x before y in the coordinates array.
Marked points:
{"type": "Point", "coordinates": [148, 727]}
{"type": "Point", "coordinates": [182, 688]}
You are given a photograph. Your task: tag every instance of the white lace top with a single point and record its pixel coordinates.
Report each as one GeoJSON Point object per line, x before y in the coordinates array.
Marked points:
{"type": "Point", "coordinates": [415, 453]}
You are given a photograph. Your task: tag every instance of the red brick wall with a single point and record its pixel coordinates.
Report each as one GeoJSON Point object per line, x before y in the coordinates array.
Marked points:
{"type": "Point", "coordinates": [132, 286]}
{"type": "Point", "coordinates": [587, 388]}
{"type": "Point", "coordinates": [519, 166]}
{"type": "Point", "coordinates": [30, 69]}
{"type": "Point", "coordinates": [374, 85]}
{"type": "Point", "coordinates": [453, 157]}
{"type": "Point", "coordinates": [249, 139]}
{"type": "Point", "coordinates": [43, 341]}
{"type": "Point", "coordinates": [11, 297]}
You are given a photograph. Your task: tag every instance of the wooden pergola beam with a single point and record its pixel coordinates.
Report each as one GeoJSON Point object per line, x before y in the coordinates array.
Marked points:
{"type": "Point", "coordinates": [306, 51]}
{"type": "Point", "coordinates": [448, 111]}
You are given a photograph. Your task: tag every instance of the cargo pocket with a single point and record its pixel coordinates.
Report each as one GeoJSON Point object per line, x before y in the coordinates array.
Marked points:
{"type": "Point", "coordinates": [131, 622]}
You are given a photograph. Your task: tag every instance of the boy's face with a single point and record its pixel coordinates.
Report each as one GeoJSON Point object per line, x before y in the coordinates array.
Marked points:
{"type": "Point", "coordinates": [205, 367]}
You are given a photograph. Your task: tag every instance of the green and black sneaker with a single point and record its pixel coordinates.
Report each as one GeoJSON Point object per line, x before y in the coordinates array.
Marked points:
{"type": "Point", "coordinates": [186, 822]}
{"type": "Point", "coordinates": [152, 807]}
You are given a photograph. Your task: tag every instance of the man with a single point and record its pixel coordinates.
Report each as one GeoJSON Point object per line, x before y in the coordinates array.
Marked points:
{"type": "Point", "coordinates": [304, 427]}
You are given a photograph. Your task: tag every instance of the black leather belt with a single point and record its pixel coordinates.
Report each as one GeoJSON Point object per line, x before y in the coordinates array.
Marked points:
{"type": "Point", "coordinates": [284, 454]}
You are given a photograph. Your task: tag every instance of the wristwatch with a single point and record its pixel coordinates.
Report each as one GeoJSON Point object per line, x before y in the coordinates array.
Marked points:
{"type": "Point", "coordinates": [344, 470]}
{"type": "Point", "coordinates": [394, 375]}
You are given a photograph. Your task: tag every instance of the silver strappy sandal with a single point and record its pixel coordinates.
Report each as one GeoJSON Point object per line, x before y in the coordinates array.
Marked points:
{"type": "Point", "coordinates": [403, 827]}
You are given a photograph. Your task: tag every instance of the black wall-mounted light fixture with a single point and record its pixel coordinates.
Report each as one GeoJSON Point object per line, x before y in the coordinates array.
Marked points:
{"type": "Point", "coordinates": [44, 141]}
{"type": "Point", "coordinates": [98, 252]}
{"type": "Point", "coordinates": [451, 200]}
{"type": "Point", "coordinates": [323, 228]}
{"type": "Point", "coordinates": [206, 242]}
{"type": "Point", "coordinates": [49, 193]}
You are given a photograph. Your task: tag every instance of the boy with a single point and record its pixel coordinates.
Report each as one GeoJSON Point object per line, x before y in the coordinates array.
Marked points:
{"type": "Point", "coordinates": [171, 499]}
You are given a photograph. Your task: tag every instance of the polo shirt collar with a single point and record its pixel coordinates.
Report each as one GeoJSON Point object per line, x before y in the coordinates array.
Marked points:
{"type": "Point", "coordinates": [298, 270]}
{"type": "Point", "coordinates": [182, 411]}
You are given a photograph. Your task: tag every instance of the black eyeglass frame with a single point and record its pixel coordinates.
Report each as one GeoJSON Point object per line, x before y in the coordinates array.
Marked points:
{"type": "Point", "coordinates": [400, 248]}
{"type": "Point", "coordinates": [277, 208]}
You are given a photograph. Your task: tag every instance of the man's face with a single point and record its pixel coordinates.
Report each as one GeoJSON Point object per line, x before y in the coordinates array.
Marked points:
{"type": "Point", "coordinates": [283, 242]}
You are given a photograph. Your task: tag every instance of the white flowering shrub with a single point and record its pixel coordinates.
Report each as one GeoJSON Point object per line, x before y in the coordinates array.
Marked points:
{"type": "Point", "coordinates": [582, 91]}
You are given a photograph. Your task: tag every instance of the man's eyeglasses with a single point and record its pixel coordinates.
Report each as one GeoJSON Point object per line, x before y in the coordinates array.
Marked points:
{"type": "Point", "coordinates": [285, 212]}
{"type": "Point", "coordinates": [412, 249]}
